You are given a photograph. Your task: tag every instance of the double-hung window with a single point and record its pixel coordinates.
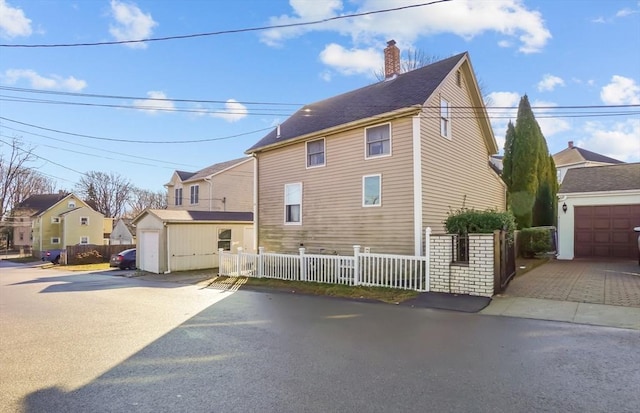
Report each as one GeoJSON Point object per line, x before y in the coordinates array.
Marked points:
{"type": "Point", "coordinates": [293, 203]}
{"type": "Point", "coordinates": [445, 119]}
{"type": "Point", "coordinates": [378, 141]}
{"type": "Point", "coordinates": [55, 220]}
{"type": "Point", "coordinates": [84, 220]}
{"type": "Point", "coordinates": [84, 240]}
{"type": "Point", "coordinates": [315, 153]}
{"type": "Point", "coordinates": [372, 190]}
{"type": "Point", "coordinates": [195, 190]}
{"type": "Point", "coordinates": [178, 196]}
{"type": "Point", "coordinates": [224, 239]}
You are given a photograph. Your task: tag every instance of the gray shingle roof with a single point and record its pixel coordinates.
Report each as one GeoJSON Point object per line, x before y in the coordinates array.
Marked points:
{"type": "Point", "coordinates": [406, 90]}
{"type": "Point", "coordinates": [619, 177]}
{"type": "Point", "coordinates": [215, 168]}
{"type": "Point", "coordinates": [41, 202]}
{"type": "Point", "coordinates": [575, 155]}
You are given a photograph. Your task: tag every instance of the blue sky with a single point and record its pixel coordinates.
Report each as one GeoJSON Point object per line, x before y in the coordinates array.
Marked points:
{"type": "Point", "coordinates": [226, 91]}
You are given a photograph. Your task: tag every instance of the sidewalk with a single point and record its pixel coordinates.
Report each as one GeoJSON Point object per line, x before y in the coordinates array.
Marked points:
{"type": "Point", "coordinates": [605, 293]}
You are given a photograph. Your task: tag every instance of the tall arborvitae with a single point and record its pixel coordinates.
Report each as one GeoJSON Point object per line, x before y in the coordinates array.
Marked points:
{"type": "Point", "coordinates": [507, 159]}
{"type": "Point", "coordinates": [523, 161]}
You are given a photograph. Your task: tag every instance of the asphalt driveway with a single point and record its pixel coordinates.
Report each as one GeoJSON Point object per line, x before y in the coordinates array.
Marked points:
{"type": "Point", "coordinates": [584, 281]}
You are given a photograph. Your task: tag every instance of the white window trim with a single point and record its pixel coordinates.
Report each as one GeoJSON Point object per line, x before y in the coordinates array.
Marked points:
{"type": "Point", "coordinates": [55, 240]}
{"type": "Point", "coordinates": [81, 218]}
{"type": "Point", "coordinates": [366, 147]}
{"type": "Point", "coordinates": [306, 158]}
{"type": "Point", "coordinates": [71, 204]}
{"type": "Point", "coordinates": [191, 194]}
{"type": "Point", "coordinates": [177, 200]}
{"type": "Point", "coordinates": [447, 118]}
{"type": "Point", "coordinates": [364, 178]}
{"type": "Point", "coordinates": [285, 204]}
{"type": "Point", "coordinates": [83, 243]}
{"type": "Point", "coordinates": [55, 220]}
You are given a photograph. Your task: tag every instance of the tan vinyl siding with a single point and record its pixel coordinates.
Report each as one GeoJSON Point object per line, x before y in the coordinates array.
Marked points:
{"type": "Point", "coordinates": [456, 171]}
{"type": "Point", "coordinates": [235, 185]}
{"type": "Point", "coordinates": [192, 246]}
{"type": "Point", "coordinates": [333, 218]}
{"type": "Point", "coordinates": [72, 231]}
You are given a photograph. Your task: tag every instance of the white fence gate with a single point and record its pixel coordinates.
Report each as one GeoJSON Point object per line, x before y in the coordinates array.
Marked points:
{"type": "Point", "coordinates": [378, 270]}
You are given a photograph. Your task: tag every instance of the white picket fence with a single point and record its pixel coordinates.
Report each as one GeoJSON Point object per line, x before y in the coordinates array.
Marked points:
{"type": "Point", "coordinates": [379, 270]}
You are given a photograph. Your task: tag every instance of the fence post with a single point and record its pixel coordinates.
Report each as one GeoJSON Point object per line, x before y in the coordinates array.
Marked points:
{"type": "Point", "coordinates": [260, 255]}
{"type": "Point", "coordinates": [303, 266]}
{"type": "Point", "coordinates": [356, 265]}
{"type": "Point", "coordinates": [238, 261]}
{"type": "Point", "coordinates": [427, 254]}
{"type": "Point", "coordinates": [497, 261]}
{"type": "Point", "coordinates": [221, 263]}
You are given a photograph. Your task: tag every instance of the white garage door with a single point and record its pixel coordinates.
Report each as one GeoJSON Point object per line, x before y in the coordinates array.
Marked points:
{"type": "Point", "coordinates": [150, 247]}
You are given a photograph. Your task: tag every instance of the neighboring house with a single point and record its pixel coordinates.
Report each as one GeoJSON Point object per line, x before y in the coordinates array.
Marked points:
{"type": "Point", "coordinates": [574, 157]}
{"type": "Point", "coordinates": [123, 232]}
{"type": "Point", "coordinates": [226, 186]}
{"type": "Point", "coordinates": [377, 165]}
{"type": "Point", "coordinates": [176, 240]}
{"type": "Point", "coordinates": [22, 213]}
{"type": "Point", "coordinates": [597, 210]}
{"type": "Point", "coordinates": [67, 221]}
{"type": "Point", "coordinates": [107, 228]}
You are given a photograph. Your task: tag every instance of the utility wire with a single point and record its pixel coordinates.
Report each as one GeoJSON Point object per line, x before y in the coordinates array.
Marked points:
{"type": "Point", "coordinates": [245, 30]}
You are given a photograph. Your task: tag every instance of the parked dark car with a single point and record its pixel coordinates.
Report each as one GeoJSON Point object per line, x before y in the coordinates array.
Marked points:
{"type": "Point", "coordinates": [52, 256]}
{"type": "Point", "coordinates": [125, 260]}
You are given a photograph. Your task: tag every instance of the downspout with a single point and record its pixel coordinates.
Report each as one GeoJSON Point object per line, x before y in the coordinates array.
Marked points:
{"type": "Point", "coordinates": [255, 202]}
{"type": "Point", "coordinates": [210, 191]}
{"type": "Point", "coordinates": [417, 187]}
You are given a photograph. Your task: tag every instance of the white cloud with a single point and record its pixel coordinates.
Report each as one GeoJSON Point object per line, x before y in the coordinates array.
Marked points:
{"type": "Point", "coordinates": [464, 18]}
{"type": "Point", "coordinates": [36, 81]}
{"type": "Point", "coordinates": [13, 22]}
{"type": "Point", "coordinates": [547, 119]}
{"type": "Point", "coordinates": [233, 112]}
{"type": "Point", "coordinates": [549, 83]}
{"type": "Point", "coordinates": [131, 23]}
{"type": "Point", "coordinates": [626, 12]}
{"type": "Point", "coordinates": [155, 103]}
{"type": "Point", "coordinates": [498, 104]}
{"type": "Point", "coordinates": [618, 140]}
{"type": "Point", "coordinates": [353, 61]}
{"type": "Point", "coordinates": [621, 91]}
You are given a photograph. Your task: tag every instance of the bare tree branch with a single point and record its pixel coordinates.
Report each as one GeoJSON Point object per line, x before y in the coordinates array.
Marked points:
{"type": "Point", "coordinates": [109, 192]}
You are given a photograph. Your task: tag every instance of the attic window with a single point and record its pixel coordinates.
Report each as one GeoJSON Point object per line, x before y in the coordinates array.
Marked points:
{"type": "Point", "coordinates": [458, 79]}
{"type": "Point", "coordinates": [71, 204]}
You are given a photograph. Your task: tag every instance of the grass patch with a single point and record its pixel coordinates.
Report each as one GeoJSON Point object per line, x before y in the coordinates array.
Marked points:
{"type": "Point", "coordinates": [22, 260]}
{"type": "Point", "coordinates": [387, 295]}
{"type": "Point", "coordinates": [84, 267]}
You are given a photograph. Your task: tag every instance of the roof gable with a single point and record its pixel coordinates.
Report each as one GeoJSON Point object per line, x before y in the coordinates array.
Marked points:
{"type": "Point", "coordinates": [407, 90]}
{"type": "Point", "coordinates": [41, 202]}
{"type": "Point", "coordinates": [217, 168]}
{"type": "Point", "coordinates": [619, 177]}
{"type": "Point", "coordinates": [573, 155]}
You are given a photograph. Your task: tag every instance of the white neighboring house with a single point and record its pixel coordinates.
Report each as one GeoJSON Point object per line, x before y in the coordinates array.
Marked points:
{"type": "Point", "coordinates": [574, 157]}
{"type": "Point", "coordinates": [123, 233]}
{"type": "Point", "coordinates": [597, 210]}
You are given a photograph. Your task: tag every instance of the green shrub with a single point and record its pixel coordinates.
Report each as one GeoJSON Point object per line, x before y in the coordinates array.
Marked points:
{"type": "Point", "coordinates": [532, 241]}
{"type": "Point", "coordinates": [470, 221]}
{"type": "Point", "coordinates": [89, 257]}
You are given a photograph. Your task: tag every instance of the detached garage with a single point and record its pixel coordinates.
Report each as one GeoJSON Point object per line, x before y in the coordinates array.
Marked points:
{"type": "Point", "coordinates": [177, 240]}
{"type": "Point", "coordinates": [597, 210]}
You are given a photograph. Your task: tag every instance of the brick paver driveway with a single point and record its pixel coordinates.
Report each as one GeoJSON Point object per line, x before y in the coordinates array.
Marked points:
{"type": "Point", "coordinates": [584, 281]}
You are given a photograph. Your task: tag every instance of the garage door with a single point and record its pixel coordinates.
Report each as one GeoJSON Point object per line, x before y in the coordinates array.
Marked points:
{"type": "Point", "coordinates": [606, 231]}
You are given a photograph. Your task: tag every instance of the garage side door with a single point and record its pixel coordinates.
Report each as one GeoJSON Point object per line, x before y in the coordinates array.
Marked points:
{"type": "Point", "coordinates": [148, 255]}
{"type": "Point", "coordinates": [606, 231]}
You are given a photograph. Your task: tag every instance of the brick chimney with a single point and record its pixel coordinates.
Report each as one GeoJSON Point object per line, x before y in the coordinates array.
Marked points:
{"type": "Point", "coordinates": [391, 60]}
{"type": "Point", "coordinates": [570, 144]}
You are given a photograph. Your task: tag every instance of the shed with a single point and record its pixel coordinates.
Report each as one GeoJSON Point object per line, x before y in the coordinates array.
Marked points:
{"type": "Point", "coordinates": [597, 210]}
{"type": "Point", "coordinates": [177, 240]}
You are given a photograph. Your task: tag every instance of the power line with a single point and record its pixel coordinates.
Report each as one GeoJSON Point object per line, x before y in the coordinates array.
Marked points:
{"type": "Point", "coordinates": [131, 140]}
{"type": "Point", "coordinates": [245, 30]}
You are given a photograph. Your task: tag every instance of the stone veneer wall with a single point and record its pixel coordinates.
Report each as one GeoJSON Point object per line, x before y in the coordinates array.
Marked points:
{"type": "Point", "coordinates": [472, 278]}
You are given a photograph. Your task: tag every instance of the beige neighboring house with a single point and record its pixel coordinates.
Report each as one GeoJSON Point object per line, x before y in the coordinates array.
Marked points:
{"type": "Point", "coordinates": [22, 217]}
{"type": "Point", "coordinates": [67, 221]}
{"type": "Point", "coordinates": [124, 232]}
{"type": "Point", "coordinates": [574, 157]}
{"type": "Point", "coordinates": [597, 211]}
{"type": "Point", "coordinates": [225, 186]}
{"type": "Point", "coordinates": [377, 165]}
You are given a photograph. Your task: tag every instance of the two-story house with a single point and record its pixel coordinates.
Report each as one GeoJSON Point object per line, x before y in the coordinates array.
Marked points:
{"type": "Point", "coordinates": [22, 213]}
{"type": "Point", "coordinates": [66, 221]}
{"type": "Point", "coordinates": [377, 165]}
{"type": "Point", "coordinates": [575, 157]}
{"type": "Point", "coordinates": [225, 186]}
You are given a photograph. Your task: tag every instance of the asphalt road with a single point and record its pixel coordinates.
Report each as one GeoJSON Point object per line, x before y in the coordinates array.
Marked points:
{"type": "Point", "coordinates": [103, 343]}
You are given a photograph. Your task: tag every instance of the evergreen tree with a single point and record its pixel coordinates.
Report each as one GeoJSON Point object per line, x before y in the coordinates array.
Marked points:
{"type": "Point", "coordinates": [507, 159]}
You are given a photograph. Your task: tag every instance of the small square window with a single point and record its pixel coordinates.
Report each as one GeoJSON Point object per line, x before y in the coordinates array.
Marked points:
{"type": "Point", "coordinates": [315, 153]}
{"type": "Point", "coordinates": [84, 240]}
{"type": "Point", "coordinates": [55, 240]}
{"type": "Point", "coordinates": [55, 220]}
{"type": "Point", "coordinates": [378, 141]}
{"type": "Point", "coordinates": [84, 220]}
{"type": "Point", "coordinates": [71, 204]}
{"type": "Point", "coordinates": [371, 190]}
